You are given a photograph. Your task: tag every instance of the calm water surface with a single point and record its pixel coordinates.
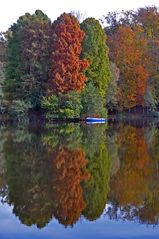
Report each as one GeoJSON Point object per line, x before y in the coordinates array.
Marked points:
{"type": "Point", "coordinates": [79, 182]}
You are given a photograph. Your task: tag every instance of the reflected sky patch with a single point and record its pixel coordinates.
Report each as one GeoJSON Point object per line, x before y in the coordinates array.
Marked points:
{"type": "Point", "coordinates": [102, 228]}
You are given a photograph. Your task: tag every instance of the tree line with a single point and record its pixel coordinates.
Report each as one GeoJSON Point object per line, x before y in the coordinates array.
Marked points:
{"type": "Point", "coordinates": [133, 42]}
{"type": "Point", "coordinates": [72, 69]}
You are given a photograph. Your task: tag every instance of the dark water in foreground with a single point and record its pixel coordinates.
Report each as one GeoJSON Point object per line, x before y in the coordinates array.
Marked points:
{"type": "Point", "coordinates": [79, 182]}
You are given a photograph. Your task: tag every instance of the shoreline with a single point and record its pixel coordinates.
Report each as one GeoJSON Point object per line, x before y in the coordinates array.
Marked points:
{"type": "Point", "coordinates": [111, 118]}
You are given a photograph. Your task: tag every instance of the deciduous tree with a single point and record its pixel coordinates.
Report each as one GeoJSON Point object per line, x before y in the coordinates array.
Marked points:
{"type": "Point", "coordinates": [127, 50]}
{"type": "Point", "coordinates": [67, 68]}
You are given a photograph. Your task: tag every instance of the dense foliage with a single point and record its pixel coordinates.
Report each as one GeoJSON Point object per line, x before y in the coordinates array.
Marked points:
{"type": "Point", "coordinates": [127, 52]}
{"type": "Point", "coordinates": [27, 58]}
{"type": "Point", "coordinates": [133, 41]}
{"type": "Point", "coordinates": [67, 69]}
{"type": "Point", "coordinates": [94, 49]}
{"type": "Point", "coordinates": [71, 170]}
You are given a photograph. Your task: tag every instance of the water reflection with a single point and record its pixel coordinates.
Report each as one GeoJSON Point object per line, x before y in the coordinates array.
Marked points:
{"type": "Point", "coordinates": [134, 193]}
{"type": "Point", "coordinates": [72, 171]}
{"type": "Point", "coordinates": [28, 176]}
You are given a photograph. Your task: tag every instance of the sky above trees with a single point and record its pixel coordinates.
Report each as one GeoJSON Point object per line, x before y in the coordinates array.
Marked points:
{"type": "Point", "coordinates": [11, 10]}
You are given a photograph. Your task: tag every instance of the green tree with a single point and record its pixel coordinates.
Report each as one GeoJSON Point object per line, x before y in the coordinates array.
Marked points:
{"type": "Point", "coordinates": [27, 58]}
{"type": "Point", "coordinates": [94, 49]}
{"type": "Point", "coordinates": [66, 105]}
{"type": "Point", "coordinates": [93, 104]}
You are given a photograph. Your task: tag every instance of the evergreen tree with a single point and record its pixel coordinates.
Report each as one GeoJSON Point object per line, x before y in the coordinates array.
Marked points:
{"type": "Point", "coordinates": [27, 58]}
{"type": "Point", "coordinates": [96, 52]}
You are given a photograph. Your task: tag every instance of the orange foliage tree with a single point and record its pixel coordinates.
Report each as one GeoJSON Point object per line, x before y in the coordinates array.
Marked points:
{"type": "Point", "coordinates": [128, 51]}
{"type": "Point", "coordinates": [69, 172]}
{"type": "Point", "coordinates": [148, 18]}
{"type": "Point", "coordinates": [66, 72]}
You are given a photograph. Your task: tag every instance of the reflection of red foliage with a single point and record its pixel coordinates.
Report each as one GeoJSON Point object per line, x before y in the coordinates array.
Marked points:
{"type": "Point", "coordinates": [142, 151]}
{"type": "Point", "coordinates": [68, 166]}
{"type": "Point", "coordinates": [130, 184]}
{"type": "Point", "coordinates": [66, 72]}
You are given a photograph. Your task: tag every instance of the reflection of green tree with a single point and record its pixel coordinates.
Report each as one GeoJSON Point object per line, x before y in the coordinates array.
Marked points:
{"type": "Point", "coordinates": [65, 134]}
{"type": "Point", "coordinates": [96, 188]}
{"type": "Point", "coordinates": [3, 186]}
{"type": "Point", "coordinates": [28, 179]}
{"type": "Point", "coordinates": [113, 148]}
{"type": "Point", "coordinates": [92, 136]}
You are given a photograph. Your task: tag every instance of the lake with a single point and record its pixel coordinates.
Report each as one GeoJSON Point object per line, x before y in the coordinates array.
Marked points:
{"type": "Point", "coordinates": [79, 181]}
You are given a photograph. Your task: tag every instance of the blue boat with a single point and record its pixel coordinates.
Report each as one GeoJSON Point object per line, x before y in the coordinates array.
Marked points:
{"type": "Point", "coordinates": [90, 120]}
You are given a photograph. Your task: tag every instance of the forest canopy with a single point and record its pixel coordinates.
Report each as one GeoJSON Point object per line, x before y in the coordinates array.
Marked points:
{"type": "Point", "coordinates": [69, 69]}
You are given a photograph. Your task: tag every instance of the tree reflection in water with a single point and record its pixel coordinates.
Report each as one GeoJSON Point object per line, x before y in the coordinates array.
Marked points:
{"type": "Point", "coordinates": [28, 176]}
{"type": "Point", "coordinates": [99, 165]}
{"type": "Point", "coordinates": [72, 170]}
{"type": "Point", "coordinates": [68, 173]}
{"type": "Point", "coordinates": [134, 188]}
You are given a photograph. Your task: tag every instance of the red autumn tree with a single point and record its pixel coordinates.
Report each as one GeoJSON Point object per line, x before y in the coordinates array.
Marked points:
{"type": "Point", "coordinates": [148, 18]}
{"type": "Point", "coordinates": [128, 51]}
{"type": "Point", "coordinates": [66, 72]}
